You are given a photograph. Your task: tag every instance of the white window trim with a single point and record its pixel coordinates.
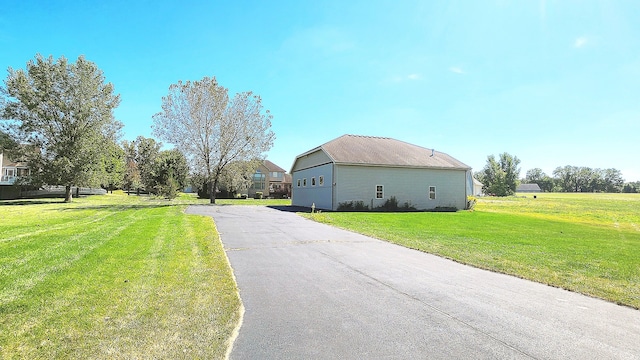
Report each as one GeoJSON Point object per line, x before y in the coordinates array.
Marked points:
{"type": "Point", "coordinates": [320, 180]}
{"type": "Point", "coordinates": [298, 182]}
{"type": "Point", "coordinates": [382, 191]}
{"type": "Point", "coordinates": [313, 181]}
{"type": "Point", "coordinates": [434, 193]}
{"type": "Point", "coordinates": [304, 182]}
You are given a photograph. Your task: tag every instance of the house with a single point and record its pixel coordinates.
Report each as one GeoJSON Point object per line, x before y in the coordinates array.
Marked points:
{"type": "Point", "coordinates": [10, 170]}
{"type": "Point", "coordinates": [271, 180]}
{"type": "Point", "coordinates": [370, 170]}
{"type": "Point", "coordinates": [528, 188]}
{"type": "Point", "coordinates": [477, 187]}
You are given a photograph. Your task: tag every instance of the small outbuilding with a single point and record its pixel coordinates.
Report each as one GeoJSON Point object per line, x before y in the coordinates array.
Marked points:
{"type": "Point", "coordinates": [369, 170]}
{"type": "Point", "coordinates": [528, 188]}
{"type": "Point", "coordinates": [477, 187]}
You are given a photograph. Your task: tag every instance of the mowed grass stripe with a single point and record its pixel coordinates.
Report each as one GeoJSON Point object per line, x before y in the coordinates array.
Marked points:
{"type": "Point", "coordinates": [155, 283]}
{"type": "Point", "coordinates": [596, 258]}
{"type": "Point", "coordinates": [65, 282]}
{"type": "Point", "coordinates": [48, 252]}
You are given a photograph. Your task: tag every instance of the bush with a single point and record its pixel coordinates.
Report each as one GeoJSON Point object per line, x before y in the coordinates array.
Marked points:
{"type": "Point", "coordinates": [471, 202]}
{"type": "Point", "coordinates": [169, 190]}
{"type": "Point", "coordinates": [352, 206]}
{"type": "Point", "coordinates": [391, 204]}
{"type": "Point", "coordinates": [258, 195]}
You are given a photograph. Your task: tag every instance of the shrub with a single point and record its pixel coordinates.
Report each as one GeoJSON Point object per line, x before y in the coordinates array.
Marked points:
{"type": "Point", "coordinates": [352, 206]}
{"type": "Point", "coordinates": [391, 204]}
{"type": "Point", "coordinates": [258, 195]}
{"type": "Point", "coordinates": [471, 202]}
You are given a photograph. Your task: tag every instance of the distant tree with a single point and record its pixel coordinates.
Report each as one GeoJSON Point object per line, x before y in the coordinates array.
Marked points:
{"type": "Point", "coordinates": [132, 179]}
{"type": "Point", "coordinates": [613, 181]}
{"type": "Point", "coordinates": [147, 151]}
{"type": "Point", "coordinates": [566, 177]}
{"type": "Point", "coordinates": [631, 187]}
{"type": "Point", "coordinates": [212, 131]}
{"type": "Point", "coordinates": [65, 112]}
{"type": "Point", "coordinates": [113, 166]}
{"type": "Point", "coordinates": [537, 176]}
{"type": "Point", "coordinates": [500, 177]}
{"type": "Point", "coordinates": [169, 173]}
{"type": "Point", "coordinates": [585, 179]}
{"type": "Point", "coordinates": [238, 175]}
{"type": "Point", "coordinates": [534, 175]}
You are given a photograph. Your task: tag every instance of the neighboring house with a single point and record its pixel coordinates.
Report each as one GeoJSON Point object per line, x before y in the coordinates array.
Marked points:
{"type": "Point", "coordinates": [10, 170]}
{"type": "Point", "coordinates": [271, 180]}
{"type": "Point", "coordinates": [529, 188]}
{"type": "Point", "coordinates": [477, 187]}
{"type": "Point", "coordinates": [371, 170]}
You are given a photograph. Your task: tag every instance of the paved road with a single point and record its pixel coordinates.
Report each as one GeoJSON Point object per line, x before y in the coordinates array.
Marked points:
{"type": "Point", "coordinates": [311, 291]}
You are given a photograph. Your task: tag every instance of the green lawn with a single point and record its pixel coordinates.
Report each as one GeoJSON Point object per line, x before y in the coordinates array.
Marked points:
{"type": "Point", "coordinates": [589, 243]}
{"type": "Point", "coordinates": [112, 276]}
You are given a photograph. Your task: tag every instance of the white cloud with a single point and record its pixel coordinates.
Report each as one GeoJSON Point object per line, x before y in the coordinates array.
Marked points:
{"type": "Point", "coordinates": [457, 70]}
{"type": "Point", "coordinates": [580, 42]}
{"type": "Point", "coordinates": [414, 77]}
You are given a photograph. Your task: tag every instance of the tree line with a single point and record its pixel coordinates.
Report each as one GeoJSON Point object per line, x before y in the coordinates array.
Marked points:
{"type": "Point", "coordinates": [500, 177]}
{"type": "Point", "coordinates": [58, 118]}
{"type": "Point", "coordinates": [581, 179]}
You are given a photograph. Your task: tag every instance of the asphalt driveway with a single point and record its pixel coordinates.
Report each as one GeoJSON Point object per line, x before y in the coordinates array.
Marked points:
{"type": "Point", "coordinates": [312, 291]}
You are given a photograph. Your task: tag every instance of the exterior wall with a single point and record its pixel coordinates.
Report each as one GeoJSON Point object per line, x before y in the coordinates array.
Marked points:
{"type": "Point", "coordinates": [259, 186]}
{"type": "Point", "coordinates": [358, 183]}
{"type": "Point", "coordinates": [313, 191]}
{"type": "Point", "coordinates": [310, 160]}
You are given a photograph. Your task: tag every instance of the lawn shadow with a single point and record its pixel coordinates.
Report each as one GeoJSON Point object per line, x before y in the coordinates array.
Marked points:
{"type": "Point", "coordinates": [113, 207]}
{"type": "Point", "coordinates": [290, 208]}
{"type": "Point", "coordinates": [30, 202]}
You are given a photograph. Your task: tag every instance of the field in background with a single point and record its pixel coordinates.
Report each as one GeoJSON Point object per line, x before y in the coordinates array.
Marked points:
{"type": "Point", "coordinates": [112, 276]}
{"type": "Point", "coordinates": [588, 243]}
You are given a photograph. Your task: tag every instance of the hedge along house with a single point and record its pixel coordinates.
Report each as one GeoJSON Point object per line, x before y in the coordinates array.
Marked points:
{"type": "Point", "coordinates": [371, 170]}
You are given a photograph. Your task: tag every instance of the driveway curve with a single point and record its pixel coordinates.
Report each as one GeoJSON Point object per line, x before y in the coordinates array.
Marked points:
{"type": "Point", "coordinates": [312, 291]}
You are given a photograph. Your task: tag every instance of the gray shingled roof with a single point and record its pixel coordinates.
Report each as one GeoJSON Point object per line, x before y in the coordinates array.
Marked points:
{"type": "Point", "coordinates": [528, 187]}
{"type": "Point", "coordinates": [273, 167]}
{"type": "Point", "coordinates": [384, 151]}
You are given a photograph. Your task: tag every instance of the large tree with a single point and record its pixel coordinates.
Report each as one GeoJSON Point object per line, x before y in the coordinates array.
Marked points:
{"type": "Point", "coordinates": [64, 111]}
{"type": "Point", "coordinates": [211, 129]}
{"type": "Point", "coordinates": [500, 177]}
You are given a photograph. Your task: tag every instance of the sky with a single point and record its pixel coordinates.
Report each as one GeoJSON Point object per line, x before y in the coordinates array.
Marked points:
{"type": "Point", "coordinates": [553, 83]}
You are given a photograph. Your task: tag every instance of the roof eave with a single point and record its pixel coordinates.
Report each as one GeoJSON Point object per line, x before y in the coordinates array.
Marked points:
{"type": "Point", "coordinates": [404, 166]}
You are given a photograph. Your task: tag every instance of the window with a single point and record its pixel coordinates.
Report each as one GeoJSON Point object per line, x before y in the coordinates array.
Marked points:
{"type": "Point", "coordinates": [298, 182]}
{"type": "Point", "coordinates": [275, 175]}
{"type": "Point", "coordinates": [313, 181]}
{"type": "Point", "coordinates": [379, 191]}
{"type": "Point", "coordinates": [258, 180]}
{"type": "Point", "coordinates": [432, 192]}
{"type": "Point", "coordinates": [304, 182]}
{"type": "Point", "coordinates": [320, 180]}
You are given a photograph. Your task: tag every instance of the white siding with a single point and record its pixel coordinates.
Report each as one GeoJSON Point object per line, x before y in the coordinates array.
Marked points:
{"type": "Point", "coordinates": [358, 183]}
{"type": "Point", "coordinates": [317, 194]}
{"type": "Point", "coordinates": [310, 160]}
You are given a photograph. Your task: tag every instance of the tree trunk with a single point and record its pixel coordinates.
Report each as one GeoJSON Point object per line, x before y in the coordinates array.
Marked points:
{"type": "Point", "coordinates": [67, 194]}
{"type": "Point", "coordinates": [212, 191]}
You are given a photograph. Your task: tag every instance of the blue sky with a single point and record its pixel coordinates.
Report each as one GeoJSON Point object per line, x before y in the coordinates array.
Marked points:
{"type": "Point", "coordinates": [552, 82]}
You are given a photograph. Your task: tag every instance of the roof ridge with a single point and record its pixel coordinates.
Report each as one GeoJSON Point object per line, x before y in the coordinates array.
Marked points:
{"type": "Point", "coordinates": [369, 136]}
